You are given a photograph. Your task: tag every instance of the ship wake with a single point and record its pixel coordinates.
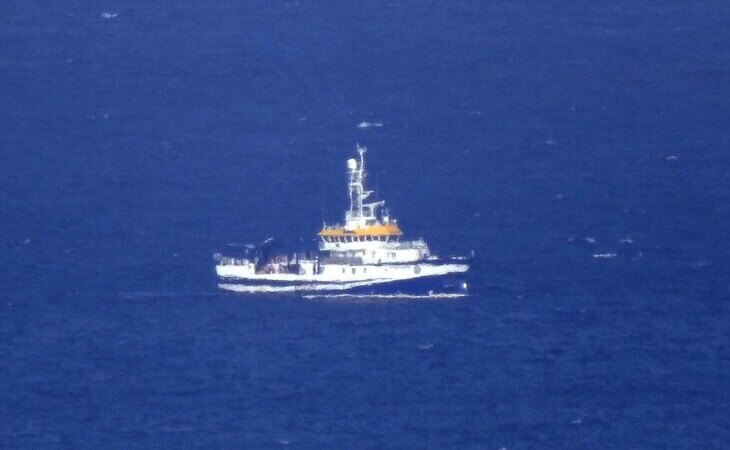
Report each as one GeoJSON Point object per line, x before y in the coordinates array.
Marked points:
{"type": "Point", "coordinates": [435, 295]}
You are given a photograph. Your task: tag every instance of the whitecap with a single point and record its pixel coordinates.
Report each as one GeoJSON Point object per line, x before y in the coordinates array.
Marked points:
{"type": "Point", "coordinates": [109, 15]}
{"type": "Point", "coordinates": [425, 346]}
{"type": "Point", "coordinates": [590, 240]}
{"type": "Point", "coordinates": [626, 240]}
{"type": "Point", "coordinates": [672, 158]}
{"type": "Point", "coordinates": [604, 255]}
{"type": "Point", "coordinates": [365, 125]}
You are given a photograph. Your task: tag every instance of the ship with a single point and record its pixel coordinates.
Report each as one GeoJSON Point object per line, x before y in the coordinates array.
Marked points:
{"type": "Point", "coordinates": [366, 254]}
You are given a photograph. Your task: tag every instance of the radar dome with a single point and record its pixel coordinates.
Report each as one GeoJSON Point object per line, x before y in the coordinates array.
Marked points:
{"type": "Point", "coordinates": [352, 164]}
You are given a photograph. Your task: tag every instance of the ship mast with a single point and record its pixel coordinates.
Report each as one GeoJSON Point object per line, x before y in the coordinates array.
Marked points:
{"type": "Point", "coordinates": [356, 171]}
{"type": "Point", "coordinates": [359, 213]}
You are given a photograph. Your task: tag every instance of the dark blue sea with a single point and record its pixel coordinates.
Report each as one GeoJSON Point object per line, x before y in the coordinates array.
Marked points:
{"type": "Point", "coordinates": [580, 148]}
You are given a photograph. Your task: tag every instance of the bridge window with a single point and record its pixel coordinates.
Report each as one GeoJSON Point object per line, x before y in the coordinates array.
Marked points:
{"type": "Point", "coordinates": [353, 271]}
{"type": "Point", "coordinates": [343, 270]}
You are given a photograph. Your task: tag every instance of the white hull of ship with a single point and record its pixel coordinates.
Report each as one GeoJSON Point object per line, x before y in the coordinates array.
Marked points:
{"type": "Point", "coordinates": [333, 278]}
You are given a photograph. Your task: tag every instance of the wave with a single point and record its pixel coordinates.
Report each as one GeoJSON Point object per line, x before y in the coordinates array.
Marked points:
{"type": "Point", "coordinates": [137, 295]}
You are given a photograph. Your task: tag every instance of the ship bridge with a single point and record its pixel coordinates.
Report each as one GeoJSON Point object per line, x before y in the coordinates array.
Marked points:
{"type": "Point", "coordinates": [372, 233]}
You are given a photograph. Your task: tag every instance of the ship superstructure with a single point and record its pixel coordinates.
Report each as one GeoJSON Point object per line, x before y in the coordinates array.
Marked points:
{"type": "Point", "coordinates": [365, 252]}
{"type": "Point", "coordinates": [369, 235]}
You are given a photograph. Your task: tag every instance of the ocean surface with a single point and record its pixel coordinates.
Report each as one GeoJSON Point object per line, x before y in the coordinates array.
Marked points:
{"type": "Point", "coordinates": [580, 148]}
